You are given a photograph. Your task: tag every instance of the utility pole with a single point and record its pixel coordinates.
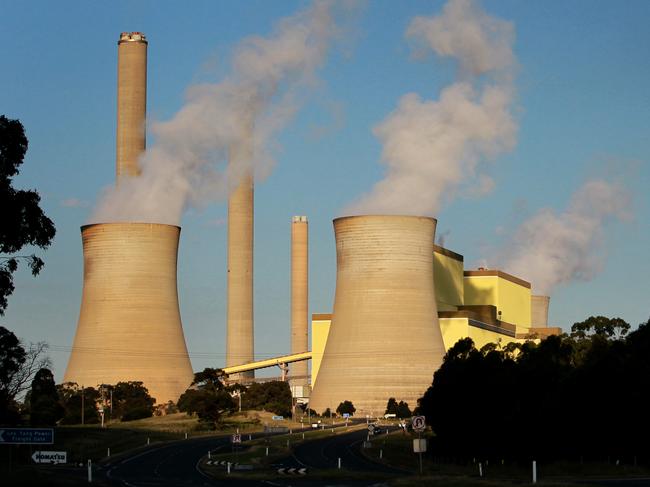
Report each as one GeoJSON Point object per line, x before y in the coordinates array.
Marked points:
{"type": "Point", "coordinates": [82, 405]}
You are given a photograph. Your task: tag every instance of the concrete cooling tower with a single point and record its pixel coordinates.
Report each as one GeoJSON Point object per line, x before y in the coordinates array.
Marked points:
{"type": "Point", "coordinates": [539, 311]}
{"type": "Point", "coordinates": [385, 340]}
{"type": "Point", "coordinates": [299, 296]}
{"type": "Point", "coordinates": [129, 325]}
{"type": "Point", "coordinates": [131, 101]}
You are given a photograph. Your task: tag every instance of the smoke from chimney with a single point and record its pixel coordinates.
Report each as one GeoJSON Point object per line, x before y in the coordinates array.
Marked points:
{"type": "Point", "coordinates": [187, 164]}
{"type": "Point", "coordinates": [551, 248]}
{"type": "Point", "coordinates": [430, 147]}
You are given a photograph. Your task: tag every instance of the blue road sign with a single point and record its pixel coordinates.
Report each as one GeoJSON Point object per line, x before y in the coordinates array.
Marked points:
{"type": "Point", "coordinates": [26, 436]}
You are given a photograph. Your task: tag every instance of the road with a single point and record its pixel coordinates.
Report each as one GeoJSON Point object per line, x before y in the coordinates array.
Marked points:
{"type": "Point", "coordinates": [167, 465]}
{"type": "Point", "coordinates": [176, 464]}
{"type": "Point", "coordinates": [324, 454]}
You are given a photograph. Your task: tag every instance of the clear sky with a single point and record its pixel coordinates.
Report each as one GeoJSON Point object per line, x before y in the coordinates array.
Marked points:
{"type": "Point", "coordinates": [582, 107]}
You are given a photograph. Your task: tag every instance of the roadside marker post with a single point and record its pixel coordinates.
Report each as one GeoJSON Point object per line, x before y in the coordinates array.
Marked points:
{"type": "Point", "coordinates": [90, 471]}
{"type": "Point", "coordinates": [108, 451]}
{"type": "Point", "coordinates": [534, 472]}
{"type": "Point", "coordinates": [228, 468]}
{"type": "Point", "coordinates": [480, 469]}
{"type": "Point", "coordinates": [339, 463]}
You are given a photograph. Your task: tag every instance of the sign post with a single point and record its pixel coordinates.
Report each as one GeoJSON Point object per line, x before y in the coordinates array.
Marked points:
{"type": "Point", "coordinates": [50, 457]}
{"type": "Point", "coordinates": [26, 436]}
{"type": "Point", "coordinates": [419, 425]}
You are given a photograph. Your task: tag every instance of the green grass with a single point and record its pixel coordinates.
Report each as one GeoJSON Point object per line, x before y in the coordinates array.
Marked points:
{"type": "Point", "coordinates": [397, 451]}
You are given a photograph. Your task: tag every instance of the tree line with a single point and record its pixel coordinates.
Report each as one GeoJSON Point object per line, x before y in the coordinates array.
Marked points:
{"type": "Point", "coordinates": [582, 395]}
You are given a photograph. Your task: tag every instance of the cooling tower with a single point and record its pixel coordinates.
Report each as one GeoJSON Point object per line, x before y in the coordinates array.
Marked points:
{"type": "Point", "coordinates": [239, 332]}
{"type": "Point", "coordinates": [299, 296]}
{"type": "Point", "coordinates": [129, 325]}
{"type": "Point", "coordinates": [539, 311]}
{"type": "Point", "coordinates": [131, 101]}
{"type": "Point", "coordinates": [384, 340]}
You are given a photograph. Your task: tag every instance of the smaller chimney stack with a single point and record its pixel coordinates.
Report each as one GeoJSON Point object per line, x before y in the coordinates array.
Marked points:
{"type": "Point", "coordinates": [299, 296]}
{"type": "Point", "coordinates": [539, 311]}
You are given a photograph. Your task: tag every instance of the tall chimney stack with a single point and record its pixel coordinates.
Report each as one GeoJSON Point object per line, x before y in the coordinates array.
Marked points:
{"type": "Point", "coordinates": [131, 102]}
{"type": "Point", "coordinates": [239, 332]}
{"type": "Point", "coordinates": [299, 296]}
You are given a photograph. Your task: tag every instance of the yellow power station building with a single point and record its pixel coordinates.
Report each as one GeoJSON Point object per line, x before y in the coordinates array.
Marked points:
{"type": "Point", "coordinates": [487, 305]}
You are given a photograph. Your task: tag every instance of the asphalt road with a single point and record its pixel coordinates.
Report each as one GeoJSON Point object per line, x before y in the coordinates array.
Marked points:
{"type": "Point", "coordinates": [324, 454]}
{"type": "Point", "coordinates": [171, 464]}
{"type": "Point", "coordinates": [176, 464]}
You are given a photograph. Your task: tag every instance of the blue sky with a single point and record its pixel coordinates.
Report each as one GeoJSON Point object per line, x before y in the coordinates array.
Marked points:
{"type": "Point", "coordinates": [583, 105]}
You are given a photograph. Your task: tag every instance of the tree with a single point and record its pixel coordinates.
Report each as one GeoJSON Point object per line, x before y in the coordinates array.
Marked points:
{"type": "Point", "coordinates": [391, 406]}
{"type": "Point", "coordinates": [346, 407]}
{"type": "Point", "coordinates": [403, 410]}
{"type": "Point", "coordinates": [131, 400]}
{"type": "Point", "coordinates": [601, 326]}
{"type": "Point", "coordinates": [208, 397]}
{"type": "Point", "coordinates": [44, 406]}
{"type": "Point", "coordinates": [17, 369]}
{"type": "Point", "coordinates": [23, 222]}
{"type": "Point", "coordinates": [274, 396]}
{"type": "Point", "coordinates": [70, 397]}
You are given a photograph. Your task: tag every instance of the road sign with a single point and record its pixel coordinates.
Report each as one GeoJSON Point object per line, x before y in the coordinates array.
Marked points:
{"type": "Point", "coordinates": [371, 427]}
{"type": "Point", "coordinates": [27, 436]}
{"type": "Point", "coordinates": [346, 415]}
{"type": "Point", "coordinates": [50, 457]}
{"type": "Point", "coordinates": [418, 423]}
{"type": "Point", "coordinates": [419, 445]}
{"type": "Point", "coordinates": [236, 438]}
{"type": "Point", "coordinates": [277, 418]}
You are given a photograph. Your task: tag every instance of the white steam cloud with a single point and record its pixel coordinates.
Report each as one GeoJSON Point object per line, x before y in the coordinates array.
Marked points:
{"type": "Point", "coordinates": [188, 162]}
{"type": "Point", "coordinates": [551, 248]}
{"type": "Point", "coordinates": [430, 147]}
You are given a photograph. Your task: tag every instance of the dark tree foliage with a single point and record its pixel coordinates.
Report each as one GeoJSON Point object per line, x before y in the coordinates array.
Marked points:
{"type": "Point", "coordinates": [70, 398]}
{"type": "Point", "coordinates": [273, 396]}
{"type": "Point", "coordinates": [12, 357]}
{"type": "Point", "coordinates": [403, 410]}
{"type": "Point", "coordinates": [208, 398]}
{"type": "Point", "coordinates": [568, 397]}
{"type": "Point", "coordinates": [131, 400]}
{"type": "Point", "coordinates": [23, 222]}
{"type": "Point", "coordinates": [346, 407]}
{"type": "Point", "coordinates": [391, 406]}
{"type": "Point", "coordinates": [326, 413]}
{"type": "Point", "coordinates": [44, 406]}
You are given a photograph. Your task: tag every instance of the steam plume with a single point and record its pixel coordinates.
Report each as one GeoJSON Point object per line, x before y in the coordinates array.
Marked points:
{"type": "Point", "coordinates": [431, 146]}
{"type": "Point", "coordinates": [551, 249]}
{"type": "Point", "coordinates": [188, 163]}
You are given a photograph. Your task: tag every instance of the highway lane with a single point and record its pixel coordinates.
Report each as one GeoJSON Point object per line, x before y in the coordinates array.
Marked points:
{"type": "Point", "coordinates": [167, 465]}
{"type": "Point", "coordinates": [324, 453]}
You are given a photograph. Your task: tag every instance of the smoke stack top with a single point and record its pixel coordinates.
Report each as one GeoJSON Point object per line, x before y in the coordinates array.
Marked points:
{"type": "Point", "coordinates": [132, 37]}
{"type": "Point", "coordinates": [188, 165]}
